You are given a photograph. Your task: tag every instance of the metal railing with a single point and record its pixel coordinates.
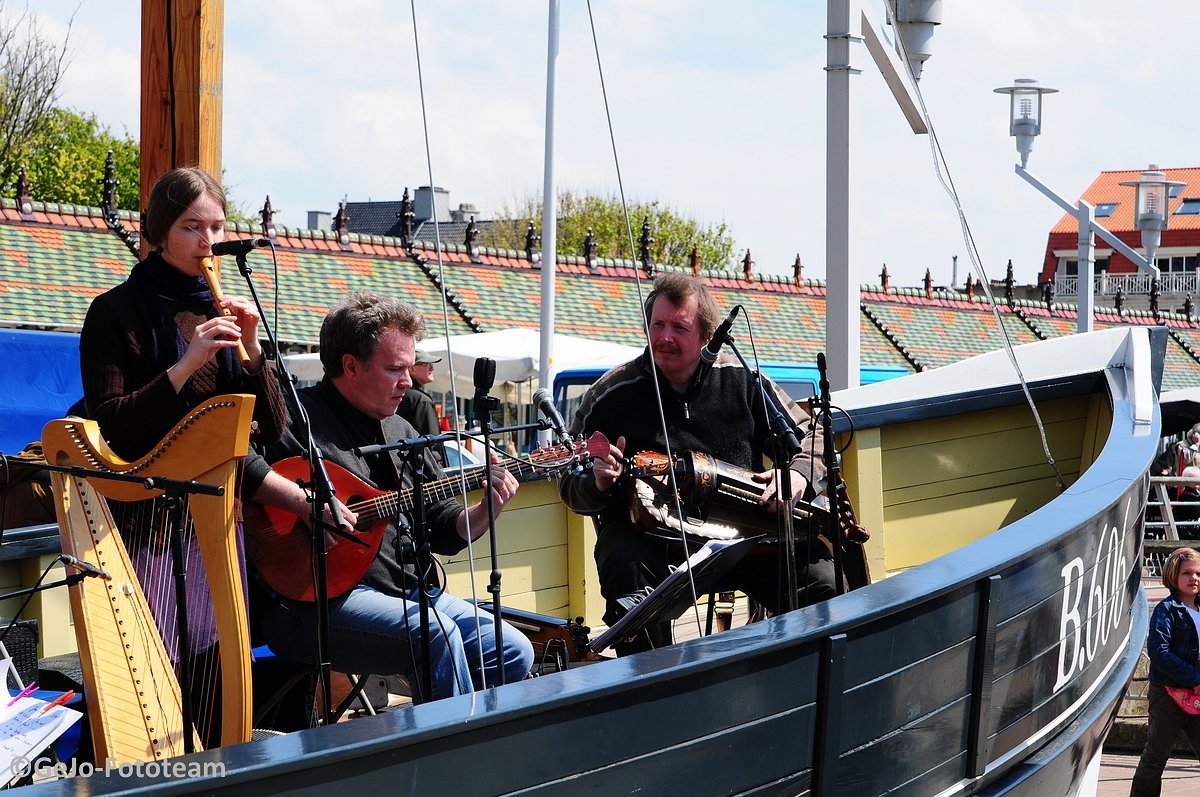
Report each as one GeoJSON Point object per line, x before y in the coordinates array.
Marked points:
{"type": "Point", "coordinates": [1162, 509]}
{"type": "Point", "coordinates": [1107, 284]}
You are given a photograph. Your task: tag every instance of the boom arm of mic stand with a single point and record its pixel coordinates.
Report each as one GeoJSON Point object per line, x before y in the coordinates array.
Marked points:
{"type": "Point", "coordinates": [322, 488]}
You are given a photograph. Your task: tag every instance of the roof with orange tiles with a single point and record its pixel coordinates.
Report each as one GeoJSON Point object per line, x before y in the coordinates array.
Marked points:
{"type": "Point", "coordinates": [67, 254]}
{"type": "Point", "coordinates": [1107, 189]}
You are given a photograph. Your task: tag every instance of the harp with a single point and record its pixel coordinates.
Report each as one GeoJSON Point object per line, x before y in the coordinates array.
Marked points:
{"type": "Point", "coordinates": [132, 695]}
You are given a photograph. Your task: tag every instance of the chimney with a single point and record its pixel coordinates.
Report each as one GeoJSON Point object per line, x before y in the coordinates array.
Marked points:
{"type": "Point", "coordinates": [431, 204]}
{"type": "Point", "coordinates": [466, 211]}
{"type": "Point", "coordinates": [320, 220]}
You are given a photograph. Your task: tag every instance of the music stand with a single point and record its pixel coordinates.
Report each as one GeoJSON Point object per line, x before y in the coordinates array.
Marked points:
{"type": "Point", "coordinates": [670, 599]}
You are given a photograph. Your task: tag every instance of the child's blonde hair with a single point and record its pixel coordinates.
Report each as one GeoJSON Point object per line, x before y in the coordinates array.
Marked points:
{"type": "Point", "coordinates": [1174, 563]}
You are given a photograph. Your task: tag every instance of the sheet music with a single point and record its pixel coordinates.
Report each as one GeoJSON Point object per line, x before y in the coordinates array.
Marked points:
{"type": "Point", "coordinates": [635, 617]}
{"type": "Point", "coordinates": [27, 728]}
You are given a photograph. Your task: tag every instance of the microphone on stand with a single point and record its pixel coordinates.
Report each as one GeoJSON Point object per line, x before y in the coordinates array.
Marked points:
{"type": "Point", "coordinates": [545, 404]}
{"type": "Point", "coordinates": [485, 377]}
{"type": "Point", "coordinates": [83, 566]}
{"type": "Point", "coordinates": [242, 246]}
{"type": "Point", "coordinates": [709, 353]}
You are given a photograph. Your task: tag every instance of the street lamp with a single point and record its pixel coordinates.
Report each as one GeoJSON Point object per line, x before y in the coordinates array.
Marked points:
{"type": "Point", "coordinates": [1025, 112]}
{"type": "Point", "coordinates": [915, 22]}
{"type": "Point", "coordinates": [1152, 190]}
{"type": "Point", "coordinates": [1025, 123]}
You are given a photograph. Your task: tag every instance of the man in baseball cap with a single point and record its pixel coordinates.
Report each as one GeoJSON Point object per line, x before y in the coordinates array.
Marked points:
{"type": "Point", "coordinates": [417, 407]}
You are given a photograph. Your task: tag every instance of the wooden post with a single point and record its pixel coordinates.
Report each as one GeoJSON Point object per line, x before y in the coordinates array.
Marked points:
{"type": "Point", "coordinates": [182, 60]}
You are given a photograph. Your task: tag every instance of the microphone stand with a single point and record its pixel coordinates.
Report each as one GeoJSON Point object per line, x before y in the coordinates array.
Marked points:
{"type": "Point", "coordinates": [424, 548]}
{"type": "Point", "coordinates": [176, 500]}
{"type": "Point", "coordinates": [484, 406]}
{"type": "Point", "coordinates": [323, 495]}
{"type": "Point", "coordinates": [414, 450]}
{"type": "Point", "coordinates": [28, 592]}
{"type": "Point", "coordinates": [833, 471]}
{"type": "Point", "coordinates": [784, 445]}
{"type": "Point", "coordinates": [414, 447]}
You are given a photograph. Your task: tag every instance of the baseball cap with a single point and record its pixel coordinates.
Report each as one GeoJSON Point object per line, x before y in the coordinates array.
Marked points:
{"type": "Point", "coordinates": [426, 357]}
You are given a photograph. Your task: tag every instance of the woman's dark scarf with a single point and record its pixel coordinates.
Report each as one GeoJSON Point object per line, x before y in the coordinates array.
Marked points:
{"type": "Point", "coordinates": [161, 291]}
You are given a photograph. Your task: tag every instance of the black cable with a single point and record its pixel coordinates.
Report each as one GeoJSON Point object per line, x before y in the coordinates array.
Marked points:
{"type": "Point", "coordinates": [21, 609]}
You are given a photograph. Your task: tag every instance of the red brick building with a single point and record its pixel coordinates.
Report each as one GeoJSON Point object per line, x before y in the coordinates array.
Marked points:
{"type": "Point", "coordinates": [1114, 207]}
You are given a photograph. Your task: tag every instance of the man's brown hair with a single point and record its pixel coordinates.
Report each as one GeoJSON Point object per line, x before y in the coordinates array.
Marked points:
{"type": "Point", "coordinates": [355, 324]}
{"type": "Point", "coordinates": [676, 287]}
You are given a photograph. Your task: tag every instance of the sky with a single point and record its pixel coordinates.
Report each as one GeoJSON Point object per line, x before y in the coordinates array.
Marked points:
{"type": "Point", "coordinates": [717, 110]}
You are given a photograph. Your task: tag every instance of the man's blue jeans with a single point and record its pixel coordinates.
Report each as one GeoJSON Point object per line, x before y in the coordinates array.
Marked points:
{"type": "Point", "coordinates": [370, 632]}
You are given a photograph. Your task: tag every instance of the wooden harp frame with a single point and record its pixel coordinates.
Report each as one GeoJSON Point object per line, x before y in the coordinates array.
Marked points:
{"type": "Point", "coordinates": [121, 653]}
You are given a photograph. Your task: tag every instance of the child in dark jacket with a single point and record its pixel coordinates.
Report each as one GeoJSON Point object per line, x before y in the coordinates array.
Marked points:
{"type": "Point", "coordinates": [1173, 645]}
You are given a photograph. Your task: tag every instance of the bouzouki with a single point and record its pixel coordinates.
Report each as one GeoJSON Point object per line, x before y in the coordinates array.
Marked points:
{"type": "Point", "coordinates": [720, 501]}
{"type": "Point", "coordinates": [279, 542]}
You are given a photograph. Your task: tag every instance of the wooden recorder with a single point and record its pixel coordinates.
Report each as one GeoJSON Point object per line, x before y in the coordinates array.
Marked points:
{"type": "Point", "coordinates": [212, 274]}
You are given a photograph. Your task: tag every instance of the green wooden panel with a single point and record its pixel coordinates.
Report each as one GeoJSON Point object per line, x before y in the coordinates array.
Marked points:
{"type": "Point", "coordinates": [949, 482]}
{"type": "Point", "coordinates": [1009, 479]}
{"type": "Point", "coordinates": [531, 542]}
{"type": "Point", "coordinates": [922, 530]}
{"type": "Point", "coordinates": [524, 571]}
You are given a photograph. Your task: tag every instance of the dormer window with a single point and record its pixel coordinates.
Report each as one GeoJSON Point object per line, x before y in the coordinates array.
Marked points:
{"type": "Point", "coordinates": [1174, 191]}
{"type": "Point", "coordinates": [1189, 207]}
{"type": "Point", "coordinates": [1106, 209]}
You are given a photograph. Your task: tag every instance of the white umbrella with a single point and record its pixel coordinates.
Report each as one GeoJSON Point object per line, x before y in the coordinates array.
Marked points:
{"type": "Point", "coordinates": [516, 352]}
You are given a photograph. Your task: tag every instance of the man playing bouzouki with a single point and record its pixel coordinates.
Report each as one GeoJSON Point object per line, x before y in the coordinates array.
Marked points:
{"type": "Point", "coordinates": [368, 345]}
{"type": "Point", "coordinates": [711, 409]}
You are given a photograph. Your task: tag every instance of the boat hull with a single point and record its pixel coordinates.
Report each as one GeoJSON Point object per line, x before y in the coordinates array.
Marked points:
{"type": "Point", "coordinates": [994, 669]}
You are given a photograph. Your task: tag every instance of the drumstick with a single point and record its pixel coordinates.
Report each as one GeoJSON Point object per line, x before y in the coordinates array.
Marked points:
{"type": "Point", "coordinates": [214, 283]}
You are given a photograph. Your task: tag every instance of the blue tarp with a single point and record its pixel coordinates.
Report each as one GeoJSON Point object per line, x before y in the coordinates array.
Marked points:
{"type": "Point", "coordinates": [39, 381]}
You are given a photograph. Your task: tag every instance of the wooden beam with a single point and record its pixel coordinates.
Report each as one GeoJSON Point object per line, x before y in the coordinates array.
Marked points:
{"type": "Point", "coordinates": [182, 62]}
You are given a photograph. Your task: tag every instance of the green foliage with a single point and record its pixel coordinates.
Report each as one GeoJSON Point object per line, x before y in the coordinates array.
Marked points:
{"type": "Point", "coordinates": [674, 235]}
{"type": "Point", "coordinates": [65, 161]}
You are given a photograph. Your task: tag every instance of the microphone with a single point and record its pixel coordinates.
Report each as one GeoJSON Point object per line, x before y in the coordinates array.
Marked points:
{"type": "Point", "coordinates": [545, 404]}
{"type": "Point", "coordinates": [242, 246]}
{"type": "Point", "coordinates": [83, 566]}
{"type": "Point", "coordinates": [709, 353]}
{"type": "Point", "coordinates": [485, 376]}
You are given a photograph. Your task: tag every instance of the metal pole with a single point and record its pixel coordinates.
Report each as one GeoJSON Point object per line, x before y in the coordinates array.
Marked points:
{"type": "Point", "coordinates": [1112, 240]}
{"type": "Point", "coordinates": [1087, 267]}
{"type": "Point", "coordinates": [549, 219]}
{"type": "Point", "coordinates": [842, 339]}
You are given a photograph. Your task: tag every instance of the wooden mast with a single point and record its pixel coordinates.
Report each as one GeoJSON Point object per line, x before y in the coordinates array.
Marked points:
{"type": "Point", "coordinates": [182, 60]}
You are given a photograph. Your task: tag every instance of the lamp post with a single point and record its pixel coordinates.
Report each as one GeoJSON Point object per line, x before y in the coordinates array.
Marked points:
{"type": "Point", "coordinates": [1025, 124]}
{"type": "Point", "coordinates": [1025, 112]}
{"type": "Point", "coordinates": [1151, 192]}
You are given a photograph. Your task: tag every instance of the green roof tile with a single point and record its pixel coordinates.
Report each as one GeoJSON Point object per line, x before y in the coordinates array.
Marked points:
{"type": "Point", "coordinates": [50, 273]}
